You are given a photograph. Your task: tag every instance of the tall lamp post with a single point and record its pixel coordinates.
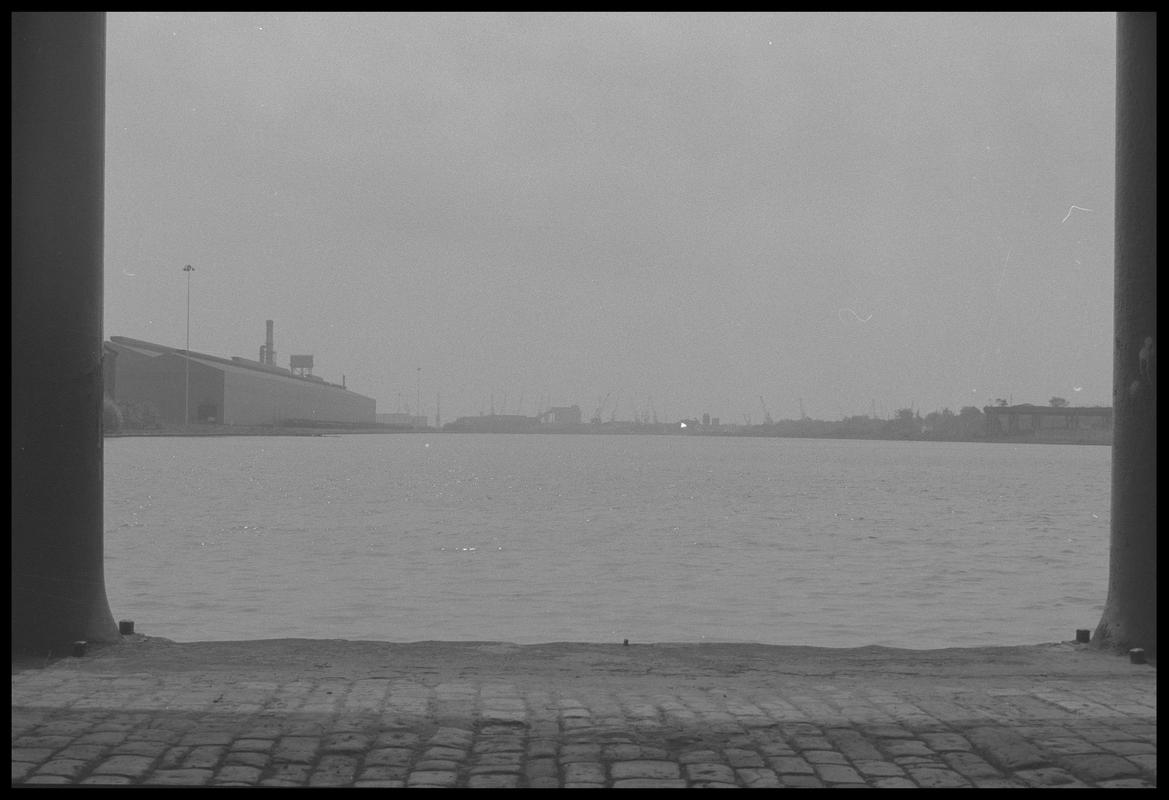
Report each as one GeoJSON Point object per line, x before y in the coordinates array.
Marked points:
{"type": "Point", "coordinates": [187, 388]}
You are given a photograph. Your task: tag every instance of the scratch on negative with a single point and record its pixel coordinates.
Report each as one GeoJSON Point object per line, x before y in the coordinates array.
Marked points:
{"type": "Point", "coordinates": [854, 314]}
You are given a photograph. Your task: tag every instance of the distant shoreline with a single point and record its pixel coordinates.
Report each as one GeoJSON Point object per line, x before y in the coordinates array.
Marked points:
{"type": "Point", "coordinates": [264, 430]}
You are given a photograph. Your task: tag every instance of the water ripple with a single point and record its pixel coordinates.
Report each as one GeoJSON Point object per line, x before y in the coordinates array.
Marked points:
{"type": "Point", "coordinates": [542, 538]}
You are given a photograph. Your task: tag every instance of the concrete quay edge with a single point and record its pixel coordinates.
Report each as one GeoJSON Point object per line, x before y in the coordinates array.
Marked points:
{"type": "Point", "coordinates": [302, 712]}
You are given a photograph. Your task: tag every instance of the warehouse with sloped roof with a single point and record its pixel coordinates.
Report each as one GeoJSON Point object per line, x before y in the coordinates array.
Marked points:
{"type": "Point", "coordinates": [225, 391]}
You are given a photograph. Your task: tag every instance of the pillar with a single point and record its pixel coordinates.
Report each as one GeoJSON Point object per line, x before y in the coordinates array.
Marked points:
{"type": "Point", "coordinates": [1130, 612]}
{"type": "Point", "coordinates": [58, 115]}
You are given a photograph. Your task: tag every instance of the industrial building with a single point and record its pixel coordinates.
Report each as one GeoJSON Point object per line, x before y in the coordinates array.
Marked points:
{"type": "Point", "coordinates": [1081, 424]}
{"type": "Point", "coordinates": [227, 391]}
{"type": "Point", "coordinates": [561, 415]}
{"type": "Point", "coordinates": [494, 423]}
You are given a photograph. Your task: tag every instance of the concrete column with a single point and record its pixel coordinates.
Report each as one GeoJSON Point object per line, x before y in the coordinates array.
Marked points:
{"type": "Point", "coordinates": [58, 124]}
{"type": "Point", "coordinates": [1130, 613]}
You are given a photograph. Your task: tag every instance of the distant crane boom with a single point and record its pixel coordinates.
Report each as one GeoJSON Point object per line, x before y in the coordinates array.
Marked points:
{"type": "Point", "coordinates": [596, 419]}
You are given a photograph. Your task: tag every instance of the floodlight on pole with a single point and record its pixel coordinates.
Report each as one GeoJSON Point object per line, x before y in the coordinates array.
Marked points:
{"type": "Point", "coordinates": [187, 387]}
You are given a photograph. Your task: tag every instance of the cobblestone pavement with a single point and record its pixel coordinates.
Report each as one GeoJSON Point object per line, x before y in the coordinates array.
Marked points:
{"type": "Point", "coordinates": [296, 713]}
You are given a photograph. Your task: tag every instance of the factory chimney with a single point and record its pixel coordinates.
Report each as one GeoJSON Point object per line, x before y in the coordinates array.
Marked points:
{"type": "Point", "coordinates": [269, 355]}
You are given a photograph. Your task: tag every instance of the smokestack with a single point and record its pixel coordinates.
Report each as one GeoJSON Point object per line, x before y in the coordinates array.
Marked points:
{"type": "Point", "coordinates": [269, 353]}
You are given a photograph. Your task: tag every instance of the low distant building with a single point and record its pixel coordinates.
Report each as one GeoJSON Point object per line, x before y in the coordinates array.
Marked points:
{"type": "Point", "coordinates": [562, 415]}
{"type": "Point", "coordinates": [225, 391]}
{"type": "Point", "coordinates": [1050, 423]}
{"type": "Point", "coordinates": [494, 423]}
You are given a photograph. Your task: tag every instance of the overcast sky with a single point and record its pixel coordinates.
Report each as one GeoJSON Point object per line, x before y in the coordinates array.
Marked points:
{"type": "Point", "coordinates": [683, 212]}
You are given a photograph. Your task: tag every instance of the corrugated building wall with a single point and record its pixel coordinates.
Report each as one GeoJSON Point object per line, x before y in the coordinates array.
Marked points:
{"type": "Point", "coordinates": [256, 398]}
{"type": "Point", "coordinates": [160, 381]}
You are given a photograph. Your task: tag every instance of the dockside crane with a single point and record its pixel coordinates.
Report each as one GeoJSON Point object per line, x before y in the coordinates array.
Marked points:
{"type": "Point", "coordinates": [596, 419]}
{"type": "Point", "coordinates": [766, 414]}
